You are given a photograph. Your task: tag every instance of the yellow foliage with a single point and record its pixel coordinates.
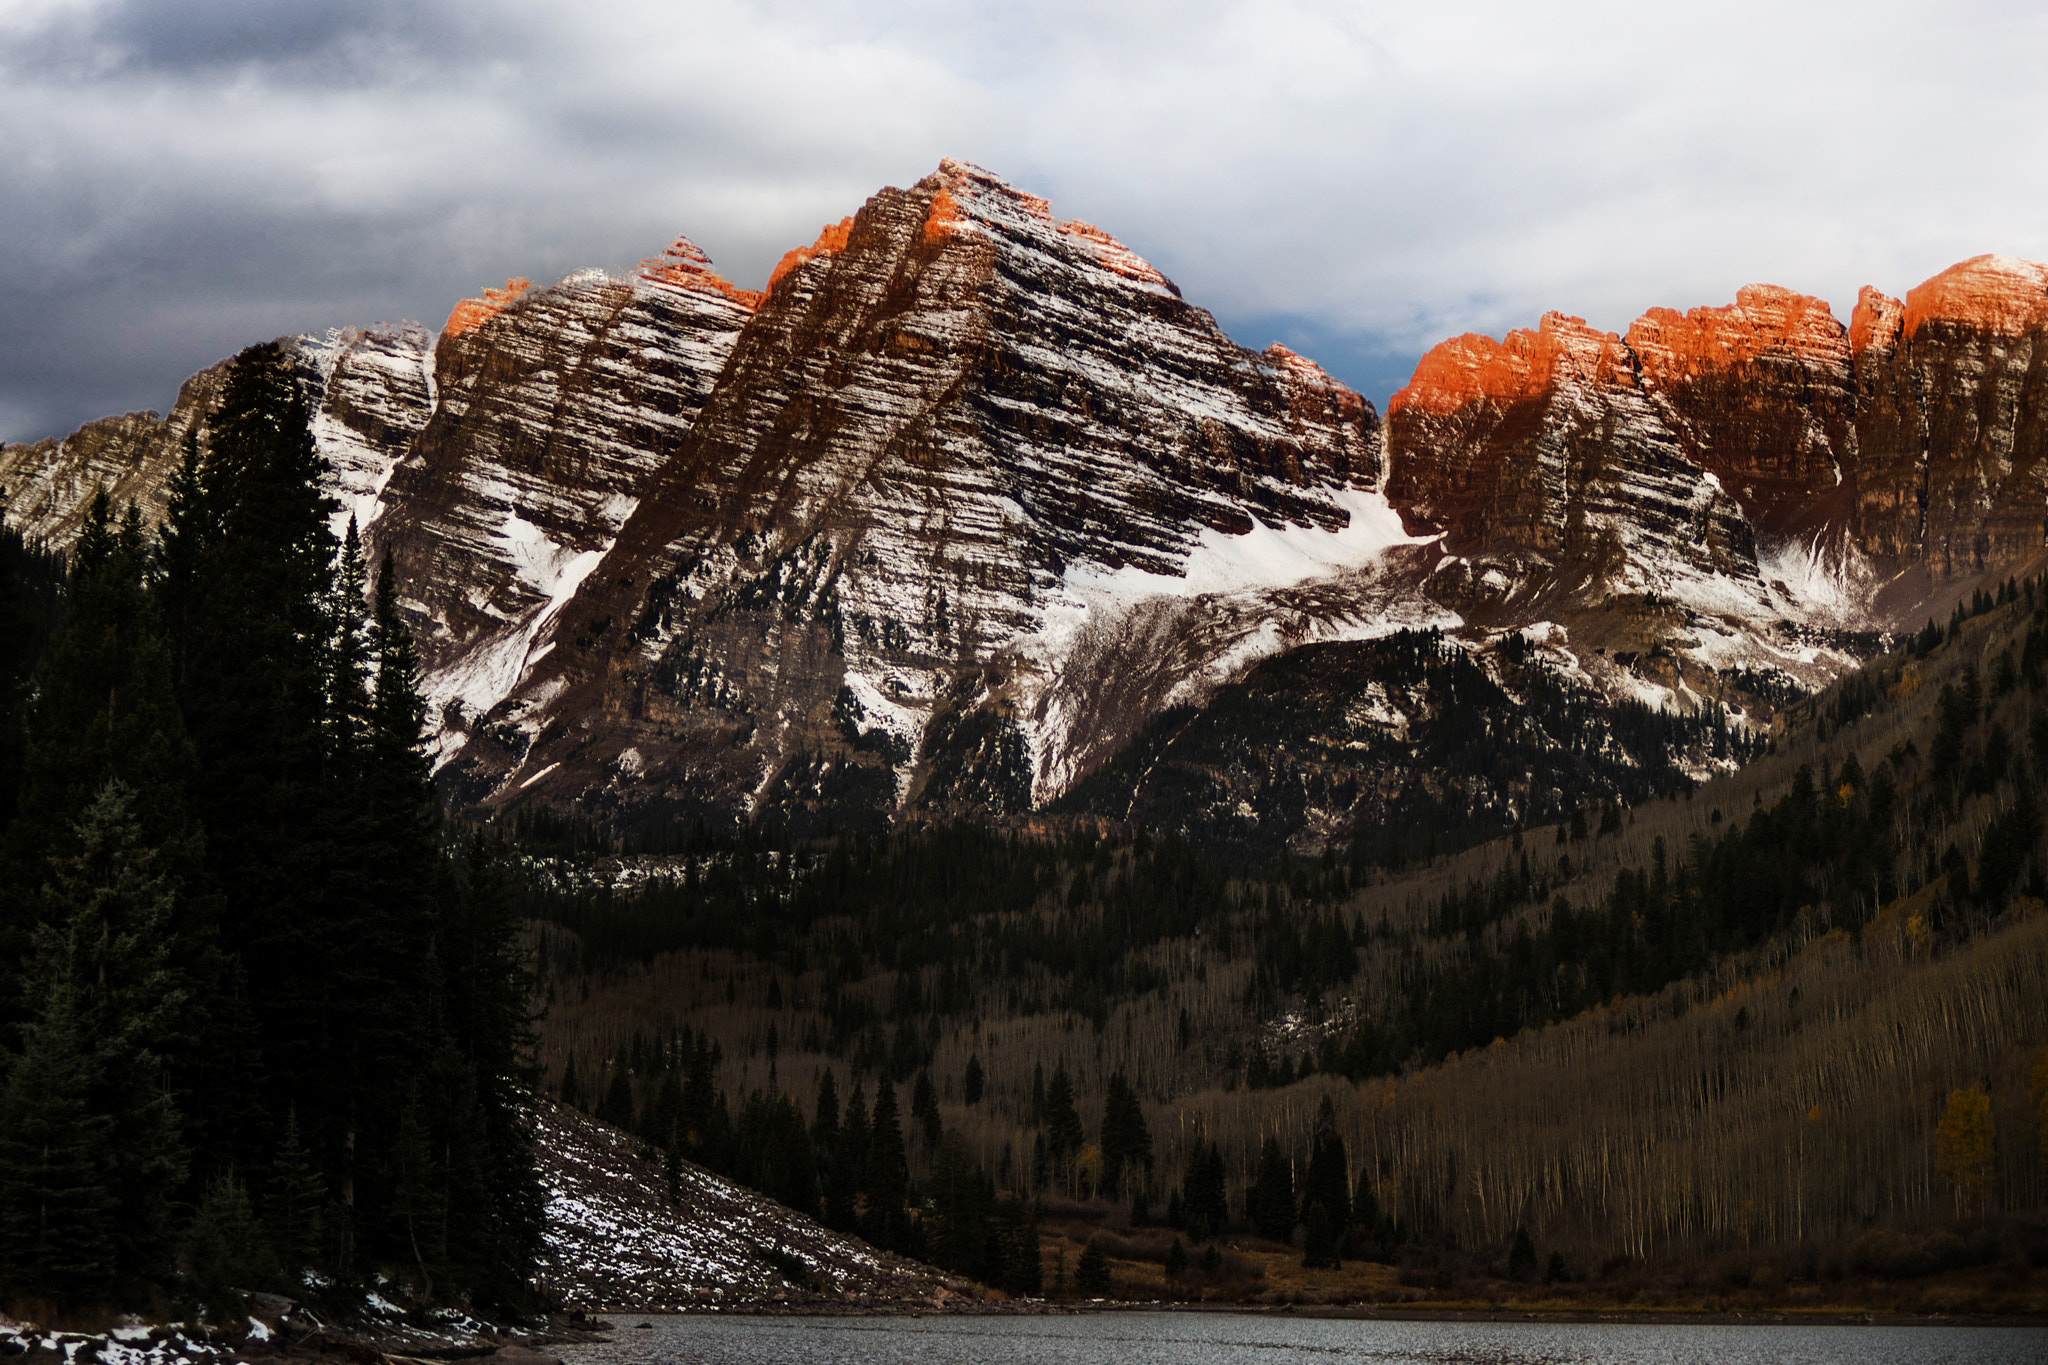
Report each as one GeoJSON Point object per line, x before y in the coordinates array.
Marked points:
{"type": "Point", "coordinates": [1962, 1144]}
{"type": "Point", "coordinates": [1916, 934]}
{"type": "Point", "coordinates": [1813, 1114]}
{"type": "Point", "coordinates": [1908, 683]}
{"type": "Point", "coordinates": [1089, 1168]}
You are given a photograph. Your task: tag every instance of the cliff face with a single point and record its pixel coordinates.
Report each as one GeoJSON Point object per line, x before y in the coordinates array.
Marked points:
{"type": "Point", "coordinates": [1952, 389]}
{"type": "Point", "coordinates": [552, 409]}
{"type": "Point", "coordinates": [1728, 449]}
{"type": "Point", "coordinates": [854, 582]}
{"type": "Point", "coordinates": [1554, 477]}
{"type": "Point", "coordinates": [369, 390]}
{"type": "Point", "coordinates": [1760, 395]}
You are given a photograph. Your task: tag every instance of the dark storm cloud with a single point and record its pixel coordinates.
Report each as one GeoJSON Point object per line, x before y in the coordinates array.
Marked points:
{"type": "Point", "coordinates": [1356, 179]}
{"type": "Point", "coordinates": [331, 42]}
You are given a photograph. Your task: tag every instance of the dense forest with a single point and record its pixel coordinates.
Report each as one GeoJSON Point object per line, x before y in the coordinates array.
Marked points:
{"type": "Point", "coordinates": [264, 1020]}
{"type": "Point", "coordinates": [1782, 1014]}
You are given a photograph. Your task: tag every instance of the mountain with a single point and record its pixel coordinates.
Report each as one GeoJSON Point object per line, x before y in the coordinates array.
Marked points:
{"type": "Point", "coordinates": [970, 499]}
{"type": "Point", "coordinates": [956, 437]}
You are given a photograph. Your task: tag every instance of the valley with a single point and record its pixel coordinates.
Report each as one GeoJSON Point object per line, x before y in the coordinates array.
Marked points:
{"type": "Point", "coordinates": [949, 779]}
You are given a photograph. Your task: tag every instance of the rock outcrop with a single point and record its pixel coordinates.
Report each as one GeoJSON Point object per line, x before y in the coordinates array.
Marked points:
{"type": "Point", "coordinates": [1952, 389]}
{"type": "Point", "coordinates": [369, 391]}
{"type": "Point", "coordinates": [1554, 479]}
{"type": "Point", "coordinates": [553, 409]}
{"type": "Point", "coordinates": [1760, 395]}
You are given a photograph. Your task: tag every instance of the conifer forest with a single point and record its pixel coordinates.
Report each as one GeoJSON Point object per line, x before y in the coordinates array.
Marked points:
{"type": "Point", "coordinates": [265, 1014]}
{"type": "Point", "coordinates": [273, 1017]}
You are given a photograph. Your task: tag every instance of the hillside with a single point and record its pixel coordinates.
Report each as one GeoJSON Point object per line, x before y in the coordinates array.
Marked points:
{"type": "Point", "coordinates": [621, 1235]}
{"type": "Point", "coordinates": [1725, 1023]}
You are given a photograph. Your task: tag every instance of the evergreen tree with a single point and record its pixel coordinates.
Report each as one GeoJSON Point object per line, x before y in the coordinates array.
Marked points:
{"type": "Point", "coordinates": [848, 1174]}
{"type": "Point", "coordinates": [58, 1207]}
{"type": "Point", "coordinates": [1269, 1203]}
{"type": "Point", "coordinates": [103, 711]}
{"type": "Point", "coordinates": [1325, 1198]}
{"type": "Point", "coordinates": [960, 1200]}
{"type": "Point", "coordinates": [1126, 1142]}
{"type": "Point", "coordinates": [245, 593]}
{"type": "Point", "coordinates": [571, 1092]}
{"type": "Point", "coordinates": [1063, 1132]}
{"type": "Point", "coordinates": [661, 1117]}
{"type": "Point", "coordinates": [924, 1107]}
{"type": "Point", "coordinates": [616, 1108]}
{"type": "Point", "coordinates": [1016, 1263]}
{"type": "Point", "coordinates": [110, 998]}
{"type": "Point", "coordinates": [488, 987]}
{"type": "Point", "coordinates": [888, 1174]}
{"type": "Point", "coordinates": [296, 1194]}
{"type": "Point", "coordinates": [415, 1204]}
{"type": "Point", "coordinates": [226, 1250]}
{"type": "Point", "coordinates": [1091, 1273]}
{"type": "Point", "coordinates": [825, 1113]}
{"type": "Point", "coordinates": [971, 1082]}
{"type": "Point", "coordinates": [1205, 1193]}
{"type": "Point", "coordinates": [1365, 1215]}
{"type": "Point", "coordinates": [1522, 1257]}
{"type": "Point", "coordinates": [349, 660]}
{"type": "Point", "coordinates": [1176, 1263]}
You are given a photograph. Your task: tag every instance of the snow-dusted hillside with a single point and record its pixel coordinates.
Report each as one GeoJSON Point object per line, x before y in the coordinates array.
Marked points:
{"type": "Point", "coordinates": [615, 1240]}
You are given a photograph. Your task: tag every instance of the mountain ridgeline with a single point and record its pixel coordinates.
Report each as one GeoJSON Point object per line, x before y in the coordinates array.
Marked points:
{"type": "Point", "coordinates": [969, 499]}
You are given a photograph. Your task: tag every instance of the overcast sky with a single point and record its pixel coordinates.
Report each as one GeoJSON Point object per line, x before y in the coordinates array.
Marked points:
{"type": "Point", "coordinates": [1358, 180]}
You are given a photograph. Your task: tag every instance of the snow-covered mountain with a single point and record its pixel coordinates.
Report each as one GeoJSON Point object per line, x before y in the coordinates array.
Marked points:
{"type": "Point", "coordinates": [940, 519]}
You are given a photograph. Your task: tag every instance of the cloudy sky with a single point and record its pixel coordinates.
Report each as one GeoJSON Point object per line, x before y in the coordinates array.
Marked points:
{"type": "Point", "coordinates": [1358, 179]}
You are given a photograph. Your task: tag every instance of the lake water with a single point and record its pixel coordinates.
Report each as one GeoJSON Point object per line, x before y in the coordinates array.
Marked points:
{"type": "Point", "coordinates": [1225, 1339]}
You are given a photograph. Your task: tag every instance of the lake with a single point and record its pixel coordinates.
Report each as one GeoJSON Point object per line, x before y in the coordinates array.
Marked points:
{"type": "Point", "coordinates": [1226, 1339]}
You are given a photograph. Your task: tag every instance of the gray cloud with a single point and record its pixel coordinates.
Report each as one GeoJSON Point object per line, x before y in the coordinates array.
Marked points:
{"type": "Point", "coordinates": [1357, 179]}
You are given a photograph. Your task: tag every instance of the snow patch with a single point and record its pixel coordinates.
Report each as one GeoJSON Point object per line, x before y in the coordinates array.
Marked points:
{"type": "Point", "coordinates": [481, 679]}
{"type": "Point", "coordinates": [1810, 584]}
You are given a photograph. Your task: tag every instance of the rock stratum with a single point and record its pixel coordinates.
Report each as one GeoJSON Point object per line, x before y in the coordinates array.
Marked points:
{"type": "Point", "coordinates": [940, 520]}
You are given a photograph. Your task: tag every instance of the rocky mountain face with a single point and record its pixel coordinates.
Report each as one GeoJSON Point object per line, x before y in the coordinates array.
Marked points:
{"type": "Point", "coordinates": [1547, 469]}
{"type": "Point", "coordinates": [1812, 459]}
{"type": "Point", "coordinates": [943, 517]}
{"type": "Point", "coordinates": [857, 584]}
{"type": "Point", "coordinates": [554, 408]}
{"type": "Point", "coordinates": [1952, 420]}
{"type": "Point", "coordinates": [368, 391]}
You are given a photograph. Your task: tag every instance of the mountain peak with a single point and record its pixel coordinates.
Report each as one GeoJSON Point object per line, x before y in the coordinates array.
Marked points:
{"type": "Point", "coordinates": [2004, 295]}
{"type": "Point", "coordinates": [1878, 321]}
{"type": "Point", "coordinates": [1521, 366]}
{"type": "Point", "coordinates": [470, 314]}
{"type": "Point", "coordinates": [685, 266]}
{"type": "Point", "coordinates": [1765, 318]}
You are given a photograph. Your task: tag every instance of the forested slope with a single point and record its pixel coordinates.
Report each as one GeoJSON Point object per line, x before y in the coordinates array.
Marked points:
{"type": "Point", "coordinates": [1782, 1014]}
